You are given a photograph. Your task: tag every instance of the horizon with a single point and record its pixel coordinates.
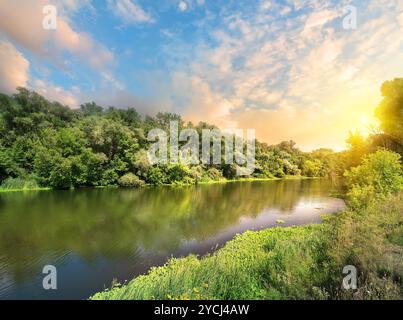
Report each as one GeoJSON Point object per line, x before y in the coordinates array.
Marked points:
{"type": "Point", "coordinates": [288, 69]}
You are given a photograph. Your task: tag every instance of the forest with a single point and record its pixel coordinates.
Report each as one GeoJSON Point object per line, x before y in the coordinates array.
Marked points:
{"type": "Point", "coordinates": [44, 144]}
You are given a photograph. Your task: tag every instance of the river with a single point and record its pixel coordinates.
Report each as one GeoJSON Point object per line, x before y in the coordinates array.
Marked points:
{"type": "Point", "coordinates": [93, 236]}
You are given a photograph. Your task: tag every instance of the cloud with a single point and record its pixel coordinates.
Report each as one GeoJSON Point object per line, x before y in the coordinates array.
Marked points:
{"type": "Point", "coordinates": [55, 93]}
{"type": "Point", "coordinates": [14, 68]}
{"type": "Point", "coordinates": [301, 77]}
{"type": "Point", "coordinates": [205, 103]}
{"type": "Point", "coordinates": [121, 98]}
{"type": "Point", "coordinates": [129, 12]}
{"type": "Point", "coordinates": [14, 72]}
{"type": "Point", "coordinates": [21, 22]}
{"type": "Point", "coordinates": [182, 6]}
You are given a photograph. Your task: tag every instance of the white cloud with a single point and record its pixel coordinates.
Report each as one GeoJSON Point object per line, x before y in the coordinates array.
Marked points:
{"type": "Point", "coordinates": [129, 12]}
{"type": "Point", "coordinates": [14, 68]}
{"type": "Point", "coordinates": [400, 20]}
{"type": "Point", "coordinates": [302, 78]}
{"type": "Point", "coordinates": [55, 93]}
{"type": "Point", "coordinates": [182, 6]}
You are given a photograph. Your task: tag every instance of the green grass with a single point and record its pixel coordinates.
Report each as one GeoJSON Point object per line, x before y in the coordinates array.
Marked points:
{"type": "Point", "coordinates": [24, 189]}
{"type": "Point", "coordinates": [248, 267]}
{"type": "Point", "coordinates": [20, 184]}
{"type": "Point", "coordinates": [288, 263]}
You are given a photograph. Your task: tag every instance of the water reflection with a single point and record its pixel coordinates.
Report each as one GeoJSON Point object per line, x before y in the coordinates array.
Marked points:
{"type": "Point", "coordinates": [96, 235]}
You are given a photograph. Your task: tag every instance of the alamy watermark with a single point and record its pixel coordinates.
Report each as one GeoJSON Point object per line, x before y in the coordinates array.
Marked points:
{"type": "Point", "coordinates": [350, 280]}
{"type": "Point", "coordinates": [49, 282]}
{"type": "Point", "coordinates": [350, 17]}
{"type": "Point", "coordinates": [212, 142]}
{"type": "Point", "coordinates": [49, 21]}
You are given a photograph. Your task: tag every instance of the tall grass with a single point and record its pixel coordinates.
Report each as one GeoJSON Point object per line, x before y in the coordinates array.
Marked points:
{"type": "Point", "coordinates": [17, 184]}
{"type": "Point", "coordinates": [255, 265]}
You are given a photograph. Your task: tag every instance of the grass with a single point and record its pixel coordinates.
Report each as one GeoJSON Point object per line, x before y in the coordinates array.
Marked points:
{"type": "Point", "coordinates": [257, 179]}
{"type": "Point", "coordinates": [288, 263]}
{"type": "Point", "coordinates": [20, 184]}
{"type": "Point", "coordinates": [246, 268]}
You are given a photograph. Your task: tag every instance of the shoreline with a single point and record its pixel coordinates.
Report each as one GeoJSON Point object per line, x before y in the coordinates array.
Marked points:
{"type": "Point", "coordinates": [222, 181]}
{"type": "Point", "coordinates": [26, 189]}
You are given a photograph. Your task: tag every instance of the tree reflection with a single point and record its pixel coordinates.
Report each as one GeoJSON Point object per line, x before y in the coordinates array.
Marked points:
{"type": "Point", "coordinates": [114, 223]}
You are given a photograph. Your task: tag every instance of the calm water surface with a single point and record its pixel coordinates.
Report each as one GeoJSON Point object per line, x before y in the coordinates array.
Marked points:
{"type": "Point", "coordinates": [94, 236]}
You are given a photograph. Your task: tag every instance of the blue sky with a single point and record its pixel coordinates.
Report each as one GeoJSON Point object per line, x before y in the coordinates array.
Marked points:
{"type": "Point", "coordinates": [286, 68]}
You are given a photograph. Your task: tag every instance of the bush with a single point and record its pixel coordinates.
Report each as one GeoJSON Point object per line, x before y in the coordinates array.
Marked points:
{"type": "Point", "coordinates": [369, 239]}
{"type": "Point", "coordinates": [214, 174]}
{"type": "Point", "coordinates": [130, 180]}
{"type": "Point", "coordinates": [379, 175]}
{"type": "Point", "coordinates": [178, 173]}
{"type": "Point", "coordinates": [156, 176]}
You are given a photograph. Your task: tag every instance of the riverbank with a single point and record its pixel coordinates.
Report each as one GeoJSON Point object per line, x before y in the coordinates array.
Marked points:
{"type": "Point", "coordinates": [289, 263]}
{"type": "Point", "coordinates": [24, 189]}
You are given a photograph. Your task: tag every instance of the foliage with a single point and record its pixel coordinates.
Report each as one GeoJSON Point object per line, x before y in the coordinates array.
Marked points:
{"type": "Point", "coordinates": [369, 238]}
{"type": "Point", "coordinates": [19, 184]}
{"type": "Point", "coordinates": [156, 176]}
{"type": "Point", "coordinates": [300, 262]}
{"type": "Point", "coordinates": [93, 146]}
{"type": "Point", "coordinates": [130, 180]}
{"type": "Point", "coordinates": [312, 168]}
{"type": "Point", "coordinates": [379, 175]}
{"type": "Point", "coordinates": [390, 110]}
{"type": "Point", "coordinates": [255, 265]}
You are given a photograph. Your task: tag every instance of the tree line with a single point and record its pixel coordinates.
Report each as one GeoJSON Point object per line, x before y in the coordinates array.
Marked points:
{"type": "Point", "coordinates": [47, 144]}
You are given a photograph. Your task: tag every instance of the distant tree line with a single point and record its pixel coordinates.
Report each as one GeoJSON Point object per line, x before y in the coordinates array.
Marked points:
{"type": "Point", "coordinates": [44, 143]}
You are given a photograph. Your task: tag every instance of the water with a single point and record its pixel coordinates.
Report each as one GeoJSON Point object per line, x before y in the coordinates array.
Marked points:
{"type": "Point", "coordinates": [94, 236]}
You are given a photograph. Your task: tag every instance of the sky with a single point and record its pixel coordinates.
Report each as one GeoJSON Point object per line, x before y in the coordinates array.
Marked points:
{"type": "Point", "coordinates": [289, 69]}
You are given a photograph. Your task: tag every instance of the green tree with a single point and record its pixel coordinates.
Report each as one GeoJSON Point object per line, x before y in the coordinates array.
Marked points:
{"type": "Point", "coordinates": [358, 147]}
{"type": "Point", "coordinates": [312, 168]}
{"type": "Point", "coordinates": [390, 110]}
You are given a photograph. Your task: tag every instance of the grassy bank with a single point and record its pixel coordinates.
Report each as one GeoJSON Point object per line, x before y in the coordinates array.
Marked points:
{"type": "Point", "coordinates": [289, 263]}
{"type": "Point", "coordinates": [258, 179]}
{"type": "Point", "coordinates": [23, 189]}
{"type": "Point", "coordinates": [18, 185]}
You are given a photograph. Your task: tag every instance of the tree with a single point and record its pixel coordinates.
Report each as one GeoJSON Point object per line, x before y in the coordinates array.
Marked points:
{"type": "Point", "coordinates": [91, 109]}
{"type": "Point", "coordinates": [311, 168]}
{"type": "Point", "coordinates": [359, 146]}
{"type": "Point", "coordinates": [390, 110]}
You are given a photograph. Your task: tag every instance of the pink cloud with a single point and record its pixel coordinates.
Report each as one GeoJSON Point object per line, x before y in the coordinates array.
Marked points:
{"type": "Point", "coordinates": [21, 21]}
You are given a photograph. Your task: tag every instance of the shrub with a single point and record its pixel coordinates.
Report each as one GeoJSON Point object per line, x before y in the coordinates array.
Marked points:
{"type": "Point", "coordinates": [178, 173]}
{"type": "Point", "coordinates": [197, 173]}
{"type": "Point", "coordinates": [214, 174]}
{"type": "Point", "coordinates": [130, 180]}
{"type": "Point", "coordinates": [369, 239]}
{"type": "Point", "coordinates": [379, 175]}
{"type": "Point", "coordinates": [156, 176]}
